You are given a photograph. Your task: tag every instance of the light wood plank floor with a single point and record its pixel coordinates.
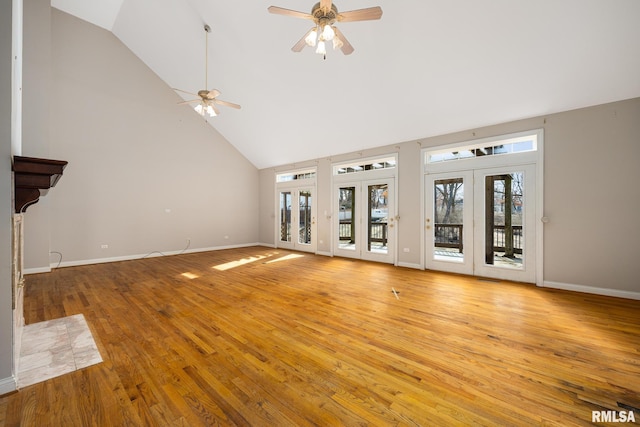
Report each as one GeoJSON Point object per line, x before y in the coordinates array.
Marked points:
{"type": "Point", "coordinates": [266, 337]}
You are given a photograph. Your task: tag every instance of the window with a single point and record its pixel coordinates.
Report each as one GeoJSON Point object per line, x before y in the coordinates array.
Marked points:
{"type": "Point", "coordinates": [295, 176]}
{"type": "Point", "coordinates": [365, 165]}
{"type": "Point", "coordinates": [522, 144]}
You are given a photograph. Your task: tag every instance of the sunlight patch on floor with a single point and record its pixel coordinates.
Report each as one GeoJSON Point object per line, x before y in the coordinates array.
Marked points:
{"type": "Point", "coordinates": [238, 263]}
{"type": "Point", "coordinates": [285, 258]}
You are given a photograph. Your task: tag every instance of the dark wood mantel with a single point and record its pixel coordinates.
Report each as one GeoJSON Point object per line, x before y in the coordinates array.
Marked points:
{"type": "Point", "coordinates": [32, 178]}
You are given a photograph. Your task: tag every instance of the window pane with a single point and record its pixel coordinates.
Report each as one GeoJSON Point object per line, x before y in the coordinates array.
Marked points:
{"type": "Point", "coordinates": [285, 216]}
{"type": "Point", "coordinates": [448, 219]}
{"type": "Point", "coordinates": [346, 228]}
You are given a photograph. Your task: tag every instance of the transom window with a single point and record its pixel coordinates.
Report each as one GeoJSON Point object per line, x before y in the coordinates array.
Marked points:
{"type": "Point", "coordinates": [521, 144]}
{"type": "Point", "coordinates": [296, 175]}
{"type": "Point", "coordinates": [365, 165]}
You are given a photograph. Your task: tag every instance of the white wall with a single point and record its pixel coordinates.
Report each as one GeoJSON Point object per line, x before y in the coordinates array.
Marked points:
{"type": "Point", "coordinates": [590, 158]}
{"type": "Point", "coordinates": [36, 93]}
{"type": "Point", "coordinates": [592, 197]}
{"type": "Point", "coordinates": [133, 154]}
{"type": "Point", "coordinates": [6, 314]}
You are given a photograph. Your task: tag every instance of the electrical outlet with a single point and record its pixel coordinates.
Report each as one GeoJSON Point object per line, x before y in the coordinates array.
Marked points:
{"type": "Point", "coordinates": [406, 250]}
{"type": "Point", "coordinates": [104, 246]}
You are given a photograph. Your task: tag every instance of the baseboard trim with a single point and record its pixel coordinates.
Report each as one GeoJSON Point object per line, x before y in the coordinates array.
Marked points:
{"type": "Point", "coordinates": [39, 269]}
{"type": "Point", "coordinates": [8, 385]}
{"type": "Point", "coordinates": [132, 257]}
{"type": "Point", "coordinates": [592, 290]}
{"type": "Point", "coordinates": [410, 265]}
{"type": "Point", "coordinates": [268, 245]}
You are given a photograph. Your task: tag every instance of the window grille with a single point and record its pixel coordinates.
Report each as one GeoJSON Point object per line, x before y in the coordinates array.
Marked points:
{"type": "Point", "coordinates": [365, 165]}
{"type": "Point", "coordinates": [522, 144]}
{"type": "Point", "coordinates": [295, 176]}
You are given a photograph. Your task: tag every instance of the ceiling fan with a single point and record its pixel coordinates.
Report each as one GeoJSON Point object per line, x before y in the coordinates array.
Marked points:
{"type": "Point", "coordinates": [325, 14]}
{"type": "Point", "coordinates": [208, 98]}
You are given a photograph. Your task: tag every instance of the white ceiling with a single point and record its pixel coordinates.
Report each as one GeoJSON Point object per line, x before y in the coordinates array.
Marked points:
{"type": "Point", "coordinates": [428, 67]}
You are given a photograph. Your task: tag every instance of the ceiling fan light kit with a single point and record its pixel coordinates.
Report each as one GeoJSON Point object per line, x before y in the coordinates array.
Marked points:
{"type": "Point", "coordinates": [325, 14]}
{"type": "Point", "coordinates": [203, 108]}
{"type": "Point", "coordinates": [208, 97]}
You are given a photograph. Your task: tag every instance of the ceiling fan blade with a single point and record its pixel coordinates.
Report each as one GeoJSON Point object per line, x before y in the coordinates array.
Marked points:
{"type": "Point", "coordinates": [302, 42]}
{"type": "Point", "coordinates": [214, 108]}
{"type": "Point", "coordinates": [346, 48]}
{"type": "Point", "coordinates": [325, 5]}
{"type": "Point", "coordinates": [187, 102]}
{"type": "Point", "coordinates": [213, 93]}
{"type": "Point", "coordinates": [288, 12]}
{"type": "Point", "coordinates": [228, 104]}
{"type": "Point", "coordinates": [367, 14]}
{"type": "Point", "coordinates": [184, 91]}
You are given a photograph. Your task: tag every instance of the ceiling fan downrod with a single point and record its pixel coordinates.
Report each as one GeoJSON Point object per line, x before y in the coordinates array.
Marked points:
{"type": "Point", "coordinates": [207, 30]}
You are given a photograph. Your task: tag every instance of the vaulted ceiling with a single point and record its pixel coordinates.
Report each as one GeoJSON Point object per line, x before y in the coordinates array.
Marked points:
{"type": "Point", "coordinates": [428, 67]}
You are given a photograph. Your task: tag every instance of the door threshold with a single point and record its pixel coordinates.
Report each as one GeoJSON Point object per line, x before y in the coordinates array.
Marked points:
{"type": "Point", "coordinates": [488, 279]}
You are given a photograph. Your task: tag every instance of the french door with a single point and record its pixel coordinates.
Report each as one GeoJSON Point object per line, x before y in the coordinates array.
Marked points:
{"type": "Point", "coordinates": [296, 219]}
{"type": "Point", "coordinates": [449, 222]}
{"type": "Point", "coordinates": [482, 222]}
{"type": "Point", "coordinates": [365, 220]}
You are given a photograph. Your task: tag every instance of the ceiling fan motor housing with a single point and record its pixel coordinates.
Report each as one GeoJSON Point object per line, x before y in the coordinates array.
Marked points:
{"type": "Point", "coordinates": [324, 17]}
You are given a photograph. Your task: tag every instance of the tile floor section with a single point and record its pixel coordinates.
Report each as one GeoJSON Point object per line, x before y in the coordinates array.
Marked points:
{"type": "Point", "coordinates": [56, 347]}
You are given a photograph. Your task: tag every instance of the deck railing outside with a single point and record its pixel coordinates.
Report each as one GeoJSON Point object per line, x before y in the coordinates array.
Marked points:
{"type": "Point", "coordinates": [446, 235]}
{"type": "Point", "coordinates": [450, 236]}
{"type": "Point", "coordinates": [378, 231]}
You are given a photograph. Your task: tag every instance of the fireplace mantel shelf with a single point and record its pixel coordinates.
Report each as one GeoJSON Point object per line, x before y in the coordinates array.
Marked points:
{"type": "Point", "coordinates": [33, 177]}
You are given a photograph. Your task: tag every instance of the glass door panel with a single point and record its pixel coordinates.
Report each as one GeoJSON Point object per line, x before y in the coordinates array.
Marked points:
{"type": "Point", "coordinates": [448, 212]}
{"type": "Point", "coordinates": [378, 237]}
{"type": "Point", "coordinates": [305, 217]}
{"type": "Point", "coordinates": [346, 218]}
{"type": "Point", "coordinates": [505, 223]}
{"type": "Point", "coordinates": [504, 220]}
{"type": "Point", "coordinates": [285, 216]}
{"type": "Point", "coordinates": [378, 218]}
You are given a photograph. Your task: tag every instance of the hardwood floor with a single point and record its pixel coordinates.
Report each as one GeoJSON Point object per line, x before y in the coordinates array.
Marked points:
{"type": "Point", "coordinates": [267, 337]}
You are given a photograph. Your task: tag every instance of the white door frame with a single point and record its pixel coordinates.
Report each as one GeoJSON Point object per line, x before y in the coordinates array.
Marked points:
{"type": "Point", "coordinates": [338, 213]}
{"type": "Point", "coordinates": [390, 256]}
{"type": "Point", "coordinates": [360, 218]}
{"type": "Point", "coordinates": [510, 160]}
{"type": "Point", "coordinates": [361, 180]}
{"type": "Point", "coordinates": [463, 264]}
{"type": "Point", "coordinates": [295, 187]}
{"type": "Point", "coordinates": [527, 272]}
